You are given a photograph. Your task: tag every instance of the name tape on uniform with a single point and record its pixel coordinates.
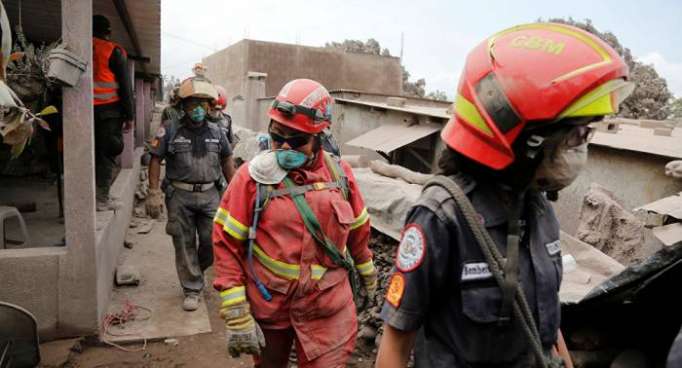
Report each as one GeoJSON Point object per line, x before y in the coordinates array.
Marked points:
{"type": "Point", "coordinates": [553, 247]}
{"type": "Point", "coordinates": [476, 271]}
{"type": "Point", "coordinates": [412, 249]}
{"type": "Point", "coordinates": [181, 139]}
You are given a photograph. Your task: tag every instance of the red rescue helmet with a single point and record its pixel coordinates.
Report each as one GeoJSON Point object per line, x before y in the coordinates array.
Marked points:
{"type": "Point", "coordinates": [303, 105]}
{"type": "Point", "coordinates": [531, 76]}
{"type": "Point", "coordinates": [220, 103]}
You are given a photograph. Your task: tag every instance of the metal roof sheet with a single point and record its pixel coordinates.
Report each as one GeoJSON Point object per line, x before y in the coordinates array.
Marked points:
{"type": "Point", "coordinates": [638, 139]}
{"type": "Point", "coordinates": [389, 137]}
{"type": "Point", "coordinates": [41, 22]}
{"type": "Point", "coordinates": [436, 112]}
{"type": "Point", "coordinates": [670, 206]}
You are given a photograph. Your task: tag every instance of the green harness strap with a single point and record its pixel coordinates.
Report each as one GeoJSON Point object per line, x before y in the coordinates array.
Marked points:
{"type": "Point", "coordinates": [315, 229]}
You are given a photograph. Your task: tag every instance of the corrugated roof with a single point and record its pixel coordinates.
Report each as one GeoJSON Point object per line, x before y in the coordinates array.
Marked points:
{"type": "Point", "coordinates": [638, 139]}
{"type": "Point", "coordinates": [391, 136]}
{"type": "Point", "coordinates": [41, 21]}
{"type": "Point", "coordinates": [436, 112]}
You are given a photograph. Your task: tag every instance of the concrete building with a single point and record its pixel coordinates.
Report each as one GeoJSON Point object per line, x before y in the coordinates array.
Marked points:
{"type": "Point", "coordinates": [253, 69]}
{"type": "Point", "coordinates": [68, 288]}
{"type": "Point", "coordinates": [629, 160]}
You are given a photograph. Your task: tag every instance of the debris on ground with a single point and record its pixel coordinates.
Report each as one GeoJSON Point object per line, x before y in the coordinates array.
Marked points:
{"type": "Point", "coordinates": [674, 169]}
{"type": "Point", "coordinates": [145, 227]}
{"type": "Point", "coordinates": [127, 276]}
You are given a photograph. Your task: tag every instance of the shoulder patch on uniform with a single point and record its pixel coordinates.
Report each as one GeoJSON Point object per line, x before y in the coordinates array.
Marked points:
{"type": "Point", "coordinates": [553, 247]}
{"type": "Point", "coordinates": [476, 271]}
{"type": "Point", "coordinates": [160, 132]}
{"type": "Point", "coordinates": [396, 289]}
{"type": "Point", "coordinates": [412, 248]}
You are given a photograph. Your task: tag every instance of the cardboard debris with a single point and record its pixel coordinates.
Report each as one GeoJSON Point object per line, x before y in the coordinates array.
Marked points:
{"type": "Point", "coordinates": [669, 234]}
{"type": "Point", "coordinates": [593, 268]}
{"type": "Point", "coordinates": [670, 206]}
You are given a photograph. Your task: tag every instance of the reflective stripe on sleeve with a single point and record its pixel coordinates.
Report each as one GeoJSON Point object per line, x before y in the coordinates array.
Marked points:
{"type": "Point", "coordinates": [230, 225]}
{"type": "Point", "coordinates": [360, 220]}
{"type": "Point", "coordinates": [366, 269]}
{"type": "Point", "coordinates": [233, 296]}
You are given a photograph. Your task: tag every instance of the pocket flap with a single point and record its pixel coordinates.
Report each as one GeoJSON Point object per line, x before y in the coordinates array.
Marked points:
{"type": "Point", "coordinates": [482, 304]}
{"type": "Point", "coordinates": [344, 212]}
{"type": "Point", "coordinates": [331, 278]}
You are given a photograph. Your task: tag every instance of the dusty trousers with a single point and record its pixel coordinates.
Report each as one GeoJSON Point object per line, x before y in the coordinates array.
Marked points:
{"type": "Point", "coordinates": [108, 143]}
{"type": "Point", "coordinates": [278, 346]}
{"type": "Point", "coordinates": [190, 217]}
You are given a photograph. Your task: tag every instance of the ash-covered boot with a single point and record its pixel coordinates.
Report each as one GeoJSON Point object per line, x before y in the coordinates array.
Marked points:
{"type": "Point", "coordinates": [104, 202]}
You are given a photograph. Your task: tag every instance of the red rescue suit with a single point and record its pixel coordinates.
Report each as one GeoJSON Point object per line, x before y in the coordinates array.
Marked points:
{"type": "Point", "coordinates": [310, 293]}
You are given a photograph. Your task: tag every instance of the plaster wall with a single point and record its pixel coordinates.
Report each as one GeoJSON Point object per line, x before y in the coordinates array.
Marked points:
{"type": "Point", "coordinates": [283, 62]}
{"type": "Point", "coordinates": [30, 279]}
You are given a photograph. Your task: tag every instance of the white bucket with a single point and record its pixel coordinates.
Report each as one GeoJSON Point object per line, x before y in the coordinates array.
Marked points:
{"type": "Point", "coordinates": [65, 66]}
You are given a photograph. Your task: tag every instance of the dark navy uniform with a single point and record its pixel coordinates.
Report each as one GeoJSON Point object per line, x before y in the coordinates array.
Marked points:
{"type": "Point", "coordinates": [443, 287]}
{"type": "Point", "coordinates": [191, 195]}
{"type": "Point", "coordinates": [224, 121]}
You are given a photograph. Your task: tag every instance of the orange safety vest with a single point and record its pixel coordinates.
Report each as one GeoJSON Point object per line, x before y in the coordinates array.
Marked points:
{"type": "Point", "coordinates": [105, 86]}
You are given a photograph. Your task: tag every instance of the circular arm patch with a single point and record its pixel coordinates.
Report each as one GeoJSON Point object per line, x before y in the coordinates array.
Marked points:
{"type": "Point", "coordinates": [412, 248]}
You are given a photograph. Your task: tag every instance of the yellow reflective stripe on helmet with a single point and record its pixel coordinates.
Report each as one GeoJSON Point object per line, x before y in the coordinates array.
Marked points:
{"type": "Point", "coordinates": [279, 268]}
{"type": "Point", "coordinates": [360, 220]}
{"type": "Point", "coordinates": [233, 296]}
{"type": "Point", "coordinates": [317, 271]}
{"type": "Point", "coordinates": [366, 268]}
{"type": "Point", "coordinates": [603, 100]}
{"type": "Point", "coordinates": [469, 113]}
{"type": "Point", "coordinates": [233, 227]}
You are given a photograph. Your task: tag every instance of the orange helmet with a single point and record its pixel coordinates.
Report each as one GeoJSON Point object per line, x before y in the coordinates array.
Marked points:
{"type": "Point", "coordinates": [531, 76]}
{"type": "Point", "coordinates": [220, 103]}
{"type": "Point", "coordinates": [303, 105]}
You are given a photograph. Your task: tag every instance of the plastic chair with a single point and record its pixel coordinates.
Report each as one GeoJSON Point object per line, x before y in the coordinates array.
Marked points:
{"type": "Point", "coordinates": [19, 344]}
{"type": "Point", "coordinates": [6, 213]}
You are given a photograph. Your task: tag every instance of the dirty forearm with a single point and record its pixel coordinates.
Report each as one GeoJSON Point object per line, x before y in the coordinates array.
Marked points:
{"type": "Point", "coordinates": [395, 348]}
{"type": "Point", "coordinates": [154, 172]}
{"type": "Point", "coordinates": [228, 168]}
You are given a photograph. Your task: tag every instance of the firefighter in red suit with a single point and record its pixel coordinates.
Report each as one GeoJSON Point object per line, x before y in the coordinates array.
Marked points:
{"type": "Point", "coordinates": [278, 283]}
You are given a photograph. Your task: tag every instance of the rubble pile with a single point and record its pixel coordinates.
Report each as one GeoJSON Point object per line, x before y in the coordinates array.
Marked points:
{"type": "Point", "coordinates": [609, 227]}
{"type": "Point", "coordinates": [370, 328]}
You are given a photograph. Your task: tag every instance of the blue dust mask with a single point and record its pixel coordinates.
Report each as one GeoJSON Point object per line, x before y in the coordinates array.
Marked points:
{"type": "Point", "coordinates": [290, 159]}
{"type": "Point", "coordinates": [198, 114]}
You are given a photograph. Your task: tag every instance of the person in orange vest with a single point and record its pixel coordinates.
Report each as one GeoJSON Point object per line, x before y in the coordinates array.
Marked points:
{"type": "Point", "coordinates": [114, 111]}
{"type": "Point", "coordinates": [291, 227]}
